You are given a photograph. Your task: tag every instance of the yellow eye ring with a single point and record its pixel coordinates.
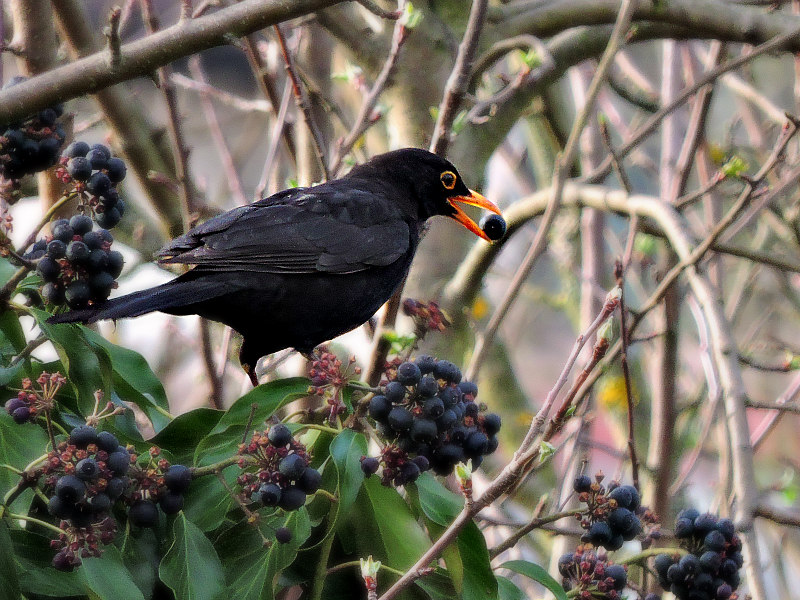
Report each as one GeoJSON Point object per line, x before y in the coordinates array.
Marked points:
{"type": "Point", "coordinates": [448, 179]}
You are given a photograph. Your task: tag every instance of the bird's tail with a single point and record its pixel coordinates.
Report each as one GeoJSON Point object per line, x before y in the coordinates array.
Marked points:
{"type": "Point", "coordinates": [173, 297]}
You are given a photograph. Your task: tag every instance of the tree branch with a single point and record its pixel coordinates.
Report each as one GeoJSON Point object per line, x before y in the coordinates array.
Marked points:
{"type": "Point", "coordinates": [140, 57]}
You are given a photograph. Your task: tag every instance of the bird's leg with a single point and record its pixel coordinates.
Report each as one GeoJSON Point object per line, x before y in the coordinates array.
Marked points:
{"type": "Point", "coordinates": [251, 373]}
{"type": "Point", "coordinates": [253, 378]}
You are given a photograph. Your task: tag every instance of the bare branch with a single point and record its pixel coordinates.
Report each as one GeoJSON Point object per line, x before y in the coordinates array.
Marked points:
{"type": "Point", "coordinates": [140, 57]}
{"type": "Point", "coordinates": [459, 78]}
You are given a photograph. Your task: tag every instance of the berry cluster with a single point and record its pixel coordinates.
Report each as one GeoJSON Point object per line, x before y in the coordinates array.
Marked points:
{"type": "Point", "coordinates": [75, 543]}
{"type": "Point", "coordinates": [612, 515]}
{"type": "Point", "coordinates": [710, 571]}
{"type": "Point", "coordinates": [591, 577]}
{"type": "Point", "coordinates": [95, 173]}
{"type": "Point", "coordinates": [30, 402]}
{"type": "Point", "coordinates": [87, 474]}
{"type": "Point", "coordinates": [427, 411]}
{"type": "Point", "coordinates": [32, 145]}
{"type": "Point", "coordinates": [76, 263]}
{"type": "Point", "coordinates": [278, 473]}
{"type": "Point", "coordinates": [156, 484]}
{"type": "Point", "coordinates": [328, 378]}
{"type": "Point", "coordinates": [427, 316]}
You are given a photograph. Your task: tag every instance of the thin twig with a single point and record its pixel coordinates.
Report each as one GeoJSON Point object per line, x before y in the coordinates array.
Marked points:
{"type": "Point", "coordinates": [180, 152]}
{"type": "Point", "coordinates": [459, 78]}
{"type": "Point", "coordinates": [231, 174]}
{"type": "Point", "coordinates": [534, 523]}
{"type": "Point", "coordinates": [112, 37]}
{"type": "Point", "coordinates": [616, 164]}
{"type": "Point", "coordinates": [652, 123]}
{"type": "Point", "coordinates": [777, 515]}
{"type": "Point", "coordinates": [695, 130]}
{"type": "Point", "coordinates": [217, 393]}
{"type": "Point", "coordinates": [563, 163]}
{"type": "Point", "coordinates": [365, 117]}
{"type": "Point", "coordinates": [620, 276]}
{"type": "Point", "coordinates": [27, 350]}
{"type": "Point", "coordinates": [220, 95]}
{"type": "Point", "coordinates": [302, 103]}
{"type": "Point", "coordinates": [277, 134]}
{"type": "Point", "coordinates": [373, 7]}
{"type": "Point", "coordinates": [792, 408]}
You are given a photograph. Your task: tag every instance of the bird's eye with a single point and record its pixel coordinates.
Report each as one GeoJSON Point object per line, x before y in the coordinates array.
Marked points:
{"type": "Point", "coordinates": [448, 179]}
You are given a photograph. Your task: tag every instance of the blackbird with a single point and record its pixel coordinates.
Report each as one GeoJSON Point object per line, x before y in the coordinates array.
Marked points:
{"type": "Point", "coordinates": [306, 264]}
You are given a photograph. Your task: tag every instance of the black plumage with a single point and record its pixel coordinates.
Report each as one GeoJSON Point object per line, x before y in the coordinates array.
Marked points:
{"type": "Point", "coordinates": [306, 264]}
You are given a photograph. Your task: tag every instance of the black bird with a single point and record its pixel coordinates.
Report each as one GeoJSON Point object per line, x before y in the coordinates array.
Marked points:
{"type": "Point", "coordinates": [306, 264]}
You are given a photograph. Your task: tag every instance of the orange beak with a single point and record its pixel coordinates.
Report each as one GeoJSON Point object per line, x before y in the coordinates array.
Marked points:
{"type": "Point", "coordinates": [474, 199]}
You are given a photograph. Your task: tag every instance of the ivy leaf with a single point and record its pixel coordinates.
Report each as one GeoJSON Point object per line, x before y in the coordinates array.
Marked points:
{"type": "Point", "coordinates": [183, 434]}
{"type": "Point", "coordinates": [9, 582]}
{"type": "Point", "coordinates": [402, 536]}
{"type": "Point", "coordinates": [255, 575]}
{"type": "Point", "coordinates": [207, 501]}
{"type": "Point", "coordinates": [107, 578]}
{"type": "Point", "coordinates": [438, 503]}
{"type": "Point", "coordinates": [140, 555]}
{"type": "Point", "coordinates": [507, 590]}
{"type": "Point", "coordinates": [134, 380]}
{"type": "Point", "coordinates": [347, 449]}
{"type": "Point", "coordinates": [538, 574]}
{"type": "Point", "coordinates": [191, 567]}
{"type": "Point", "coordinates": [19, 445]}
{"type": "Point", "coordinates": [224, 439]}
{"type": "Point", "coordinates": [479, 580]}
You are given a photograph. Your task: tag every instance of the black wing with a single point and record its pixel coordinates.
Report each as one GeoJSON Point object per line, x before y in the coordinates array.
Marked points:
{"type": "Point", "coordinates": [332, 228]}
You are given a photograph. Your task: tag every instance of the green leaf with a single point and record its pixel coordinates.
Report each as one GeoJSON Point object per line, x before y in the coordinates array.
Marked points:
{"type": "Point", "coordinates": [507, 590]}
{"type": "Point", "coordinates": [19, 446]}
{"type": "Point", "coordinates": [9, 582]}
{"type": "Point", "coordinates": [11, 334]}
{"type": "Point", "coordinates": [6, 270]}
{"type": "Point", "coordinates": [438, 586]}
{"type": "Point", "coordinates": [438, 503]}
{"type": "Point", "coordinates": [207, 501]}
{"type": "Point", "coordinates": [140, 555]}
{"type": "Point", "coordinates": [88, 367]}
{"type": "Point", "coordinates": [346, 450]}
{"type": "Point", "coordinates": [479, 580]}
{"type": "Point", "coordinates": [537, 573]}
{"type": "Point", "coordinates": [134, 380]}
{"type": "Point", "coordinates": [184, 433]}
{"type": "Point", "coordinates": [255, 575]}
{"type": "Point", "coordinates": [107, 578]}
{"type": "Point", "coordinates": [546, 451]}
{"type": "Point", "coordinates": [735, 166]}
{"type": "Point", "coordinates": [9, 374]}
{"type": "Point", "coordinates": [225, 437]}
{"type": "Point", "coordinates": [531, 58]}
{"type": "Point", "coordinates": [402, 536]}
{"type": "Point", "coordinates": [411, 16]}
{"type": "Point", "coordinates": [191, 567]}
{"type": "Point", "coordinates": [37, 576]}
{"type": "Point", "coordinates": [460, 122]}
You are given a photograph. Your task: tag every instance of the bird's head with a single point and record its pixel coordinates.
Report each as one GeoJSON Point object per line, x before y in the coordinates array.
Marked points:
{"type": "Point", "coordinates": [431, 184]}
